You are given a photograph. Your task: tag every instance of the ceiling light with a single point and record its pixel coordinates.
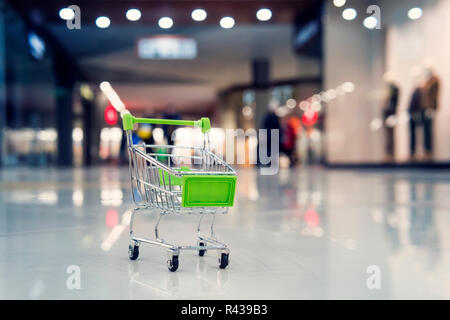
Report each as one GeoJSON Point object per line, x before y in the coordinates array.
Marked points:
{"type": "Point", "coordinates": [66, 14]}
{"type": "Point", "coordinates": [339, 3]}
{"type": "Point", "coordinates": [370, 22]}
{"type": "Point", "coordinates": [348, 87]}
{"type": "Point", "coordinates": [133, 14]}
{"type": "Point", "coordinates": [198, 14]}
{"type": "Point", "coordinates": [105, 85]}
{"type": "Point", "coordinates": [415, 13]}
{"type": "Point", "coordinates": [103, 22]}
{"type": "Point", "coordinates": [112, 96]}
{"type": "Point", "coordinates": [247, 111]}
{"type": "Point", "coordinates": [349, 14]}
{"type": "Point", "coordinates": [165, 23]}
{"type": "Point", "coordinates": [316, 106]}
{"type": "Point", "coordinates": [324, 97]}
{"type": "Point", "coordinates": [332, 94]}
{"type": "Point", "coordinates": [264, 14]}
{"type": "Point", "coordinates": [376, 124]}
{"type": "Point", "coordinates": [304, 105]}
{"type": "Point", "coordinates": [291, 103]}
{"type": "Point", "coordinates": [227, 22]}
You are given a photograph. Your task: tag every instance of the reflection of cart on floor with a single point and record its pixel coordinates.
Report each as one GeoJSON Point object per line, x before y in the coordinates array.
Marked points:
{"type": "Point", "coordinates": [143, 282]}
{"type": "Point", "coordinates": [194, 181]}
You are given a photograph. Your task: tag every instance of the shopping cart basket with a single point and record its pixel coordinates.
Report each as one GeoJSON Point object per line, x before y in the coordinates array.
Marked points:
{"type": "Point", "coordinates": [179, 180]}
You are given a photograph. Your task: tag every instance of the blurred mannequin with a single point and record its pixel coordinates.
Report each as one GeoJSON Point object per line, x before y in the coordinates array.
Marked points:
{"type": "Point", "coordinates": [390, 111]}
{"type": "Point", "coordinates": [415, 109]}
{"type": "Point", "coordinates": [430, 95]}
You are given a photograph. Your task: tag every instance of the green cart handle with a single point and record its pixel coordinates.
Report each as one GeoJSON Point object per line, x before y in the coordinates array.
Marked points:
{"type": "Point", "coordinates": [128, 122]}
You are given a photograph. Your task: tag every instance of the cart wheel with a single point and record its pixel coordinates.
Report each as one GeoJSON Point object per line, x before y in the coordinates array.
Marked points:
{"type": "Point", "coordinates": [133, 252]}
{"type": "Point", "coordinates": [172, 264]}
{"type": "Point", "coordinates": [201, 252]}
{"type": "Point", "coordinates": [223, 260]}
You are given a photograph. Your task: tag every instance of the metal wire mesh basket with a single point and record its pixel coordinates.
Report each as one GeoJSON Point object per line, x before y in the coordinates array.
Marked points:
{"type": "Point", "coordinates": [159, 184]}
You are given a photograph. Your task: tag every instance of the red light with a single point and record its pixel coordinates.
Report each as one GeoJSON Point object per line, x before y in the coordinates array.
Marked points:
{"type": "Point", "coordinates": [111, 115]}
{"type": "Point", "coordinates": [112, 218]}
{"type": "Point", "coordinates": [312, 218]}
{"type": "Point", "coordinates": [310, 117]}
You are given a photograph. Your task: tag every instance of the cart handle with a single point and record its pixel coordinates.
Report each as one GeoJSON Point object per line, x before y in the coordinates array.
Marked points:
{"type": "Point", "coordinates": [128, 122]}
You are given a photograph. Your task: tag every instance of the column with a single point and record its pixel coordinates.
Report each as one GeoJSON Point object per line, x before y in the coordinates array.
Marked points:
{"type": "Point", "coordinates": [2, 80]}
{"type": "Point", "coordinates": [261, 81]}
{"type": "Point", "coordinates": [65, 79]}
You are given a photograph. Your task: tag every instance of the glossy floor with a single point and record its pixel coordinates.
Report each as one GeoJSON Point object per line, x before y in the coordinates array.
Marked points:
{"type": "Point", "coordinates": [305, 233]}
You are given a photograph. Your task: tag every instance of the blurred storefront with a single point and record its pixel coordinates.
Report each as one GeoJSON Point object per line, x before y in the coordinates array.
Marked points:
{"type": "Point", "coordinates": [301, 138]}
{"type": "Point", "coordinates": [382, 121]}
{"type": "Point", "coordinates": [37, 83]}
{"type": "Point", "coordinates": [30, 135]}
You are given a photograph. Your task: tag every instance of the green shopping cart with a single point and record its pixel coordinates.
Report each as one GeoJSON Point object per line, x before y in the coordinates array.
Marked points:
{"type": "Point", "coordinates": [193, 181]}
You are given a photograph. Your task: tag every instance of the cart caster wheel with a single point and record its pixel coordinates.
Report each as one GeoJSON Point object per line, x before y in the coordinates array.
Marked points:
{"type": "Point", "coordinates": [133, 252]}
{"type": "Point", "coordinates": [201, 252]}
{"type": "Point", "coordinates": [223, 260]}
{"type": "Point", "coordinates": [172, 264]}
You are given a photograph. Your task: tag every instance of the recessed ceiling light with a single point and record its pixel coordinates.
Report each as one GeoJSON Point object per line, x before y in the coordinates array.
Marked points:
{"type": "Point", "coordinates": [102, 22]}
{"type": "Point", "coordinates": [370, 22]}
{"type": "Point", "coordinates": [291, 103]}
{"type": "Point", "coordinates": [133, 14]}
{"type": "Point", "coordinates": [165, 22]}
{"type": "Point", "coordinates": [339, 3]}
{"type": "Point", "coordinates": [227, 22]}
{"type": "Point", "coordinates": [415, 13]}
{"type": "Point", "coordinates": [264, 14]}
{"type": "Point", "coordinates": [349, 14]}
{"type": "Point", "coordinates": [66, 14]}
{"type": "Point", "coordinates": [198, 14]}
{"type": "Point", "coordinates": [348, 87]}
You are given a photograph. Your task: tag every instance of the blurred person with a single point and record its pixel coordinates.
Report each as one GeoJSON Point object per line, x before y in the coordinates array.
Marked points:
{"type": "Point", "coordinates": [270, 122]}
{"type": "Point", "coordinates": [291, 128]}
{"type": "Point", "coordinates": [169, 130]}
{"type": "Point", "coordinates": [389, 114]}
{"type": "Point", "coordinates": [123, 153]}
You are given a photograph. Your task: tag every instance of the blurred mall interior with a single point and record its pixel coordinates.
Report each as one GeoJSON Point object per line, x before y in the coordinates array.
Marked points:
{"type": "Point", "coordinates": [358, 89]}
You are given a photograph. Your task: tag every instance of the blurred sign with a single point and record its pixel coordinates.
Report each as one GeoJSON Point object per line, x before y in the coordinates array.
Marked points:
{"type": "Point", "coordinates": [110, 115]}
{"type": "Point", "coordinates": [37, 46]}
{"type": "Point", "coordinates": [167, 47]}
{"type": "Point", "coordinates": [308, 34]}
{"type": "Point", "coordinates": [310, 117]}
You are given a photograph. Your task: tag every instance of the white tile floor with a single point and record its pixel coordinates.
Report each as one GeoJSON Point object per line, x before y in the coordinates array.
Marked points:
{"type": "Point", "coordinates": [303, 234]}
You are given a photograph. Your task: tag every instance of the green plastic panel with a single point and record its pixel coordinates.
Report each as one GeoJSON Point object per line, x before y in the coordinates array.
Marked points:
{"type": "Point", "coordinates": [208, 191]}
{"type": "Point", "coordinates": [174, 180]}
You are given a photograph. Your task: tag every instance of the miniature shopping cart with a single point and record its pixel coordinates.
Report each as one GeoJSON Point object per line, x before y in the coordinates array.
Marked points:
{"type": "Point", "coordinates": [179, 180]}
